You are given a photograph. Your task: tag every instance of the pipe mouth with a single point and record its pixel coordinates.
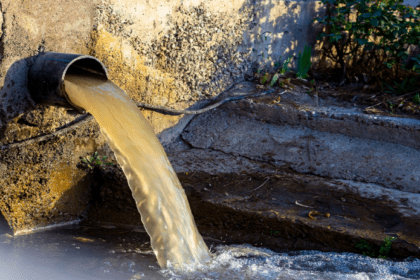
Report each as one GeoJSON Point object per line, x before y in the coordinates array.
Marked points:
{"type": "Point", "coordinates": [48, 72]}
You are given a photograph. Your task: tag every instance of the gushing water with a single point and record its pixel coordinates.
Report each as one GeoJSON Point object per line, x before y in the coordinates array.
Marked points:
{"type": "Point", "coordinates": [159, 196]}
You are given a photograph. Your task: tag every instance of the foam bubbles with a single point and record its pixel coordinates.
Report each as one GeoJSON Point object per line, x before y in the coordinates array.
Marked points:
{"type": "Point", "coordinates": [247, 262]}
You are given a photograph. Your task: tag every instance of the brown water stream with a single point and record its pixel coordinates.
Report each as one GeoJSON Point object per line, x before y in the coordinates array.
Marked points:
{"type": "Point", "coordinates": [159, 196]}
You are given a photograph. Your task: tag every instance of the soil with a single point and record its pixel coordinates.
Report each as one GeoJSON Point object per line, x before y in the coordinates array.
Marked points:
{"type": "Point", "coordinates": [368, 96]}
{"type": "Point", "coordinates": [373, 101]}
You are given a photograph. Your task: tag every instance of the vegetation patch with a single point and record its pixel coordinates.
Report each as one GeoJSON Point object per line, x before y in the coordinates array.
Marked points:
{"type": "Point", "coordinates": [374, 44]}
{"type": "Point", "coordinates": [373, 251]}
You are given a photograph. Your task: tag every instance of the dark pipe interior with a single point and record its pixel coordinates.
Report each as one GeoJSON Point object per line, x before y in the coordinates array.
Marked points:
{"type": "Point", "coordinates": [47, 73]}
{"type": "Point", "coordinates": [86, 65]}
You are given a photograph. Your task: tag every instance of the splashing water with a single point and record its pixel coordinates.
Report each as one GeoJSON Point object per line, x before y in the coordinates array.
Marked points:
{"type": "Point", "coordinates": [248, 263]}
{"type": "Point", "coordinates": [103, 253]}
{"type": "Point", "coordinates": [159, 196]}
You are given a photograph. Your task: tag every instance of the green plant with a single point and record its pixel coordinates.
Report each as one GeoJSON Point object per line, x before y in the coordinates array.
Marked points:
{"type": "Point", "coordinates": [285, 67]}
{"type": "Point", "coordinates": [408, 85]}
{"type": "Point", "coordinates": [373, 251]}
{"type": "Point", "coordinates": [274, 79]}
{"type": "Point", "coordinates": [366, 248]}
{"type": "Point", "coordinates": [95, 160]}
{"type": "Point", "coordinates": [369, 34]}
{"type": "Point", "coordinates": [416, 66]}
{"type": "Point", "coordinates": [416, 99]}
{"type": "Point", "coordinates": [264, 78]}
{"type": "Point", "coordinates": [281, 71]}
{"type": "Point", "coordinates": [391, 106]}
{"type": "Point", "coordinates": [386, 247]}
{"type": "Point", "coordinates": [304, 63]}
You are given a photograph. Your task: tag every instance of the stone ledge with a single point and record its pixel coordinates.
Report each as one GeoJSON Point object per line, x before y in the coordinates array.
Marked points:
{"type": "Point", "coordinates": [231, 207]}
{"type": "Point", "coordinates": [297, 108]}
{"type": "Point", "coordinates": [337, 145]}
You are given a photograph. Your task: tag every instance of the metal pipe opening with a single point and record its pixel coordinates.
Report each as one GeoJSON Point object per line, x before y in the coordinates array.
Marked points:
{"type": "Point", "coordinates": [48, 71]}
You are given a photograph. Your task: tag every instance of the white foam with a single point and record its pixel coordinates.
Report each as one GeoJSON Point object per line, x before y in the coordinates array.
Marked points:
{"type": "Point", "coordinates": [247, 262]}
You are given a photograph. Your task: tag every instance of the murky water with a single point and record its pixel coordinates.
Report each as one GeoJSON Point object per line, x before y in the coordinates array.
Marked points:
{"type": "Point", "coordinates": [159, 196]}
{"type": "Point", "coordinates": [94, 252]}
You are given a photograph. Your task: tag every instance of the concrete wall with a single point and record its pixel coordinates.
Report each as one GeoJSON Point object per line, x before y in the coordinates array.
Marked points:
{"type": "Point", "coordinates": [412, 3]}
{"type": "Point", "coordinates": [170, 53]}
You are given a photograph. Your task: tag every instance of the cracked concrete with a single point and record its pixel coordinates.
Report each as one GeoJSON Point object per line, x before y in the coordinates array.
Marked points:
{"type": "Point", "coordinates": [321, 146]}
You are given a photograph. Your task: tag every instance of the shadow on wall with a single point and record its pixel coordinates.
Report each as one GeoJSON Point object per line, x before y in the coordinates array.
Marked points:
{"type": "Point", "coordinates": [4, 226]}
{"type": "Point", "coordinates": [14, 95]}
{"type": "Point", "coordinates": [290, 24]}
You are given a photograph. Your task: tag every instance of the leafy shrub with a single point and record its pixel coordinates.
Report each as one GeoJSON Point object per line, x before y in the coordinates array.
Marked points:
{"type": "Point", "coordinates": [408, 85]}
{"type": "Point", "coordinates": [374, 35]}
{"type": "Point", "coordinates": [373, 251]}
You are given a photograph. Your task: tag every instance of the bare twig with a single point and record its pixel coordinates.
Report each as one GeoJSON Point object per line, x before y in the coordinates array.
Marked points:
{"type": "Point", "coordinates": [297, 203]}
{"type": "Point", "coordinates": [413, 92]}
{"type": "Point", "coordinates": [83, 119]}
{"type": "Point", "coordinates": [261, 185]}
{"type": "Point", "coordinates": [86, 118]}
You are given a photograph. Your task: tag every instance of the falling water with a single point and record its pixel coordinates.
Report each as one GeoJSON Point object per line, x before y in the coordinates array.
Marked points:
{"type": "Point", "coordinates": [159, 196]}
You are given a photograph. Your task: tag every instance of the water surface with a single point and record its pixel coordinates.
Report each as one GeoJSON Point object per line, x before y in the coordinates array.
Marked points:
{"type": "Point", "coordinates": [94, 252]}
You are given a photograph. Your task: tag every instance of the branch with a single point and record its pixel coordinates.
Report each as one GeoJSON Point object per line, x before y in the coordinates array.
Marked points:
{"type": "Point", "coordinates": [82, 120]}
{"type": "Point", "coordinates": [87, 117]}
{"type": "Point", "coordinates": [413, 92]}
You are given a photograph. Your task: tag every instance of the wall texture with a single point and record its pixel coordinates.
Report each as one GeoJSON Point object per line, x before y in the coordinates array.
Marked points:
{"type": "Point", "coordinates": [171, 53]}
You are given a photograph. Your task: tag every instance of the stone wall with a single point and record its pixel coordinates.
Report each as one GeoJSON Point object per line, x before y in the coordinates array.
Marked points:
{"type": "Point", "coordinates": [171, 53]}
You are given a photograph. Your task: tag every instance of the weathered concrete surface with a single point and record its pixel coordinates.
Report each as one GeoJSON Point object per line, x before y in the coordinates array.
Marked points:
{"type": "Point", "coordinates": [256, 204]}
{"type": "Point", "coordinates": [40, 183]}
{"type": "Point", "coordinates": [165, 53]}
{"type": "Point", "coordinates": [171, 53]}
{"type": "Point", "coordinates": [30, 26]}
{"type": "Point", "coordinates": [228, 161]}
{"type": "Point", "coordinates": [315, 140]}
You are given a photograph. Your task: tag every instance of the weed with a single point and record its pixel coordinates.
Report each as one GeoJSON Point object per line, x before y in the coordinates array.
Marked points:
{"type": "Point", "coordinates": [285, 67]}
{"type": "Point", "coordinates": [416, 99]}
{"type": "Point", "coordinates": [263, 70]}
{"type": "Point", "coordinates": [391, 106]}
{"type": "Point", "coordinates": [373, 251]}
{"type": "Point", "coordinates": [304, 63]}
{"type": "Point", "coordinates": [95, 160]}
{"type": "Point", "coordinates": [366, 248]}
{"type": "Point", "coordinates": [408, 85]}
{"type": "Point", "coordinates": [374, 34]}
{"type": "Point", "coordinates": [281, 71]}
{"type": "Point", "coordinates": [264, 78]}
{"type": "Point", "coordinates": [386, 247]}
{"type": "Point", "coordinates": [274, 79]}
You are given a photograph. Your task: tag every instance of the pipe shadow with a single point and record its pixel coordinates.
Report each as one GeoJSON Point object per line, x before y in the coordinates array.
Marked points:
{"type": "Point", "coordinates": [15, 98]}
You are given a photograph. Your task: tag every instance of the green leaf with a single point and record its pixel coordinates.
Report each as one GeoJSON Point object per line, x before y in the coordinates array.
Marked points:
{"type": "Point", "coordinates": [264, 78]}
{"type": "Point", "coordinates": [361, 41]}
{"type": "Point", "coordinates": [374, 22]}
{"type": "Point", "coordinates": [377, 14]}
{"type": "Point", "coordinates": [304, 62]}
{"type": "Point", "coordinates": [274, 79]}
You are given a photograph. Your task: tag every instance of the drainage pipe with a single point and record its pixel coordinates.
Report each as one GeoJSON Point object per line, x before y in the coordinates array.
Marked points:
{"type": "Point", "coordinates": [47, 73]}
